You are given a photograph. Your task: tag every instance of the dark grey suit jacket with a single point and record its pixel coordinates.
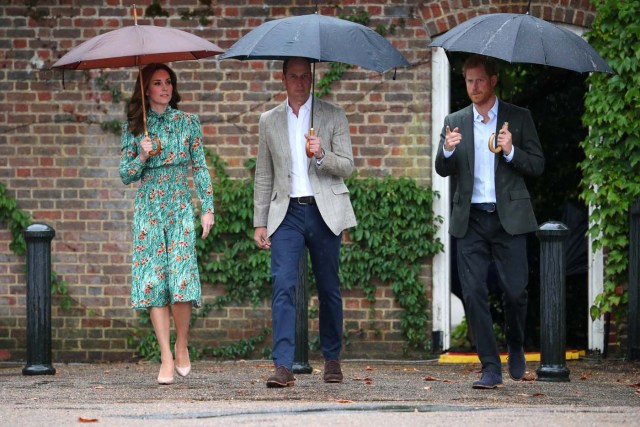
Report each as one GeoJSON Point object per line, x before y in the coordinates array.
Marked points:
{"type": "Point", "coordinates": [512, 197]}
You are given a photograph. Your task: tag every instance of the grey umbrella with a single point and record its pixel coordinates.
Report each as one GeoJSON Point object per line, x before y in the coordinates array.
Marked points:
{"type": "Point", "coordinates": [320, 39]}
{"type": "Point", "coordinates": [522, 38]}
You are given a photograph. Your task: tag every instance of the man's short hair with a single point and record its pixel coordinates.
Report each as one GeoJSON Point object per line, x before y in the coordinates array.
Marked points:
{"type": "Point", "coordinates": [285, 63]}
{"type": "Point", "coordinates": [489, 64]}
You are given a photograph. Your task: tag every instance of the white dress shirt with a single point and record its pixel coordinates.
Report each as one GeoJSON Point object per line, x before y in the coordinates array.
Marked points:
{"type": "Point", "coordinates": [298, 127]}
{"type": "Point", "coordinates": [484, 187]}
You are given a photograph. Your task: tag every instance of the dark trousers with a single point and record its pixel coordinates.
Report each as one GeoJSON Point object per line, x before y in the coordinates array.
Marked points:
{"type": "Point", "coordinates": [486, 240]}
{"type": "Point", "coordinates": [303, 226]}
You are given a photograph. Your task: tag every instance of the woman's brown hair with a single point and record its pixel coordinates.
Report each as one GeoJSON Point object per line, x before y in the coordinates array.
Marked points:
{"type": "Point", "coordinates": [134, 108]}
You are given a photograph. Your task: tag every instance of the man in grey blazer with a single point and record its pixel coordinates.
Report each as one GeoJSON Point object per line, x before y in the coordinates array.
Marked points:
{"type": "Point", "coordinates": [298, 202]}
{"type": "Point", "coordinates": [492, 211]}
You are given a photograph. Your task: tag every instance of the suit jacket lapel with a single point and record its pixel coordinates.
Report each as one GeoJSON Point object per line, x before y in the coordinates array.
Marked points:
{"type": "Point", "coordinates": [317, 112]}
{"type": "Point", "coordinates": [503, 116]}
{"type": "Point", "coordinates": [282, 133]}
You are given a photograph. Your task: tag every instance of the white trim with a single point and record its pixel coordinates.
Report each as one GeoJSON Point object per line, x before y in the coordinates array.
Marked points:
{"type": "Point", "coordinates": [441, 266]}
{"type": "Point", "coordinates": [596, 286]}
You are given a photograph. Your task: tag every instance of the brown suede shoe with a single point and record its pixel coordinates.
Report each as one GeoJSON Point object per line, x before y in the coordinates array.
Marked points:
{"type": "Point", "coordinates": [332, 372]}
{"type": "Point", "coordinates": [281, 378]}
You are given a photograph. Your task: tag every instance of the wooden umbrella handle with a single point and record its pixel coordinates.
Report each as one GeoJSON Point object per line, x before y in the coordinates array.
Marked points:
{"type": "Point", "coordinates": [158, 149]}
{"type": "Point", "coordinates": [312, 132]}
{"type": "Point", "coordinates": [492, 146]}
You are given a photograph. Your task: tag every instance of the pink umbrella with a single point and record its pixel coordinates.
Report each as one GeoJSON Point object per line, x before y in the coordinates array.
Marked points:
{"type": "Point", "coordinates": [137, 46]}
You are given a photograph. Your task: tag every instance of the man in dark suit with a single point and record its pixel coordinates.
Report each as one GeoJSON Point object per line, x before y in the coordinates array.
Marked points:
{"type": "Point", "coordinates": [492, 211]}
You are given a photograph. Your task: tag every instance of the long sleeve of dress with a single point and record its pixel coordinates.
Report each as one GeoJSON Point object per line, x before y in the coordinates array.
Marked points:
{"type": "Point", "coordinates": [130, 165]}
{"type": "Point", "coordinates": [201, 177]}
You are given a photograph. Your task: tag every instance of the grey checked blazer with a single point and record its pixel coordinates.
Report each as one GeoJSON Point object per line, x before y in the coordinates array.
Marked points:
{"type": "Point", "coordinates": [273, 169]}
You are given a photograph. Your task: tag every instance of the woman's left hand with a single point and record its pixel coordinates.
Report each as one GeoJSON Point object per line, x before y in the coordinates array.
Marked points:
{"type": "Point", "coordinates": [207, 223]}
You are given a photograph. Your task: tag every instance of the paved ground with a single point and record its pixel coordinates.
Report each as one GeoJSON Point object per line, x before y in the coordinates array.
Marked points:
{"type": "Point", "coordinates": [374, 393]}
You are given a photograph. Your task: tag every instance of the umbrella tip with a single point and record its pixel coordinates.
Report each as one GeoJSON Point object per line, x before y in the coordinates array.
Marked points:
{"type": "Point", "coordinates": [395, 71]}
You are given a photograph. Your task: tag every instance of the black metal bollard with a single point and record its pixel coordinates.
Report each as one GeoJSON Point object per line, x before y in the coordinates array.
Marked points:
{"type": "Point", "coordinates": [301, 356]}
{"type": "Point", "coordinates": [38, 237]}
{"type": "Point", "coordinates": [552, 236]}
{"type": "Point", "coordinates": [634, 281]}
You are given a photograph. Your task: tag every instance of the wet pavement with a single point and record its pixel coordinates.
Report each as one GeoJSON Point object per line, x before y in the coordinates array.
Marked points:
{"type": "Point", "coordinates": [374, 393]}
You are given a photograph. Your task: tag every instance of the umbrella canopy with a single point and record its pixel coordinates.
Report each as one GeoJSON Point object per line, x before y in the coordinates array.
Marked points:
{"type": "Point", "coordinates": [321, 39]}
{"type": "Point", "coordinates": [523, 39]}
{"type": "Point", "coordinates": [137, 46]}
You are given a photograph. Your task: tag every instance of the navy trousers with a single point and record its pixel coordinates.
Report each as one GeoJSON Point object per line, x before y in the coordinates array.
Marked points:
{"type": "Point", "coordinates": [303, 226]}
{"type": "Point", "coordinates": [485, 241]}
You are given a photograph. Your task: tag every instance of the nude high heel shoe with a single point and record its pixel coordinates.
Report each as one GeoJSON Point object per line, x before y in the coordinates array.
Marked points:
{"type": "Point", "coordinates": [165, 380]}
{"type": "Point", "coordinates": [183, 371]}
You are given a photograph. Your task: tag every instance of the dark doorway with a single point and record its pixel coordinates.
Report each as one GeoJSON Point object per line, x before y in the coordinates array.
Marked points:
{"type": "Point", "coordinates": [555, 98]}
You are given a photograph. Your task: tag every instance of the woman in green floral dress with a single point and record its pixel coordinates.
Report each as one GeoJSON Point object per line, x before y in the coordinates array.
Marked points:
{"type": "Point", "coordinates": [164, 271]}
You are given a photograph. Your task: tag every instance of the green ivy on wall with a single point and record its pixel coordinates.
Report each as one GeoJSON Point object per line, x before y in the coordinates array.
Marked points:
{"type": "Point", "coordinates": [395, 235]}
{"type": "Point", "coordinates": [611, 170]}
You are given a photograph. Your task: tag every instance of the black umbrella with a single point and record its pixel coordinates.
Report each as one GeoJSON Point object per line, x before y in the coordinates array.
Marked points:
{"type": "Point", "coordinates": [522, 39]}
{"type": "Point", "coordinates": [320, 39]}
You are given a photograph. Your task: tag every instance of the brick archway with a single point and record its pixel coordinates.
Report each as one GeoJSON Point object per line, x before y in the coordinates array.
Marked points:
{"type": "Point", "coordinates": [441, 16]}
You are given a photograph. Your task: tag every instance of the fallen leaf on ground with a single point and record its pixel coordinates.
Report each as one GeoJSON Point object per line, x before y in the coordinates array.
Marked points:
{"type": "Point", "coordinates": [362, 379]}
{"type": "Point", "coordinates": [344, 401]}
{"type": "Point", "coordinates": [369, 368]}
{"type": "Point", "coordinates": [427, 387]}
{"type": "Point", "coordinates": [523, 394]}
{"type": "Point", "coordinates": [87, 420]}
{"type": "Point", "coordinates": [430, 378]}
{"type": "Point", "coordinates": [585, 375]}
{"type": "Point", "coordinates": [411, 370]}
{"type": "Point", "coordinates": [264, 365]}
{"type": "Point", "coordinates": [636, 385]}
{"type": "Point", "coordinates": [99, 387]}
{"type": "Point", "coordinates": [538, 394]}
{"type": "Point", "coordinates": [530, 376]}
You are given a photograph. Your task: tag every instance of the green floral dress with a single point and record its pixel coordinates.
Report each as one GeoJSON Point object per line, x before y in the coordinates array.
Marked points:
{"type": "Point", "coordinates": [164, 265]}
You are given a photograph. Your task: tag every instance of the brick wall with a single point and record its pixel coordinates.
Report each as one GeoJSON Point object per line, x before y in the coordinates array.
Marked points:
{"type": "Point", "coordinates": [62, 168]}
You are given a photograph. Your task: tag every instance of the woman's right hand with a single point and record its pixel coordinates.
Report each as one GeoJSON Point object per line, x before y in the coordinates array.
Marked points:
{"type": "Point", "coordinates": [146, 145]}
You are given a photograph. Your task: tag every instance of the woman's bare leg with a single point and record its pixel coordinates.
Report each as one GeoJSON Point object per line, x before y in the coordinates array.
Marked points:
{"type": "Point", "coordinates": [181, 317]}
{"type": "Point", "coordinates": [161, 324]}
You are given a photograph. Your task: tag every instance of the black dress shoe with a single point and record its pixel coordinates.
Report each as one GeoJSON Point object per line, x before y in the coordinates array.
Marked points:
{"type": "Point", "coordinates": [282, 377]}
